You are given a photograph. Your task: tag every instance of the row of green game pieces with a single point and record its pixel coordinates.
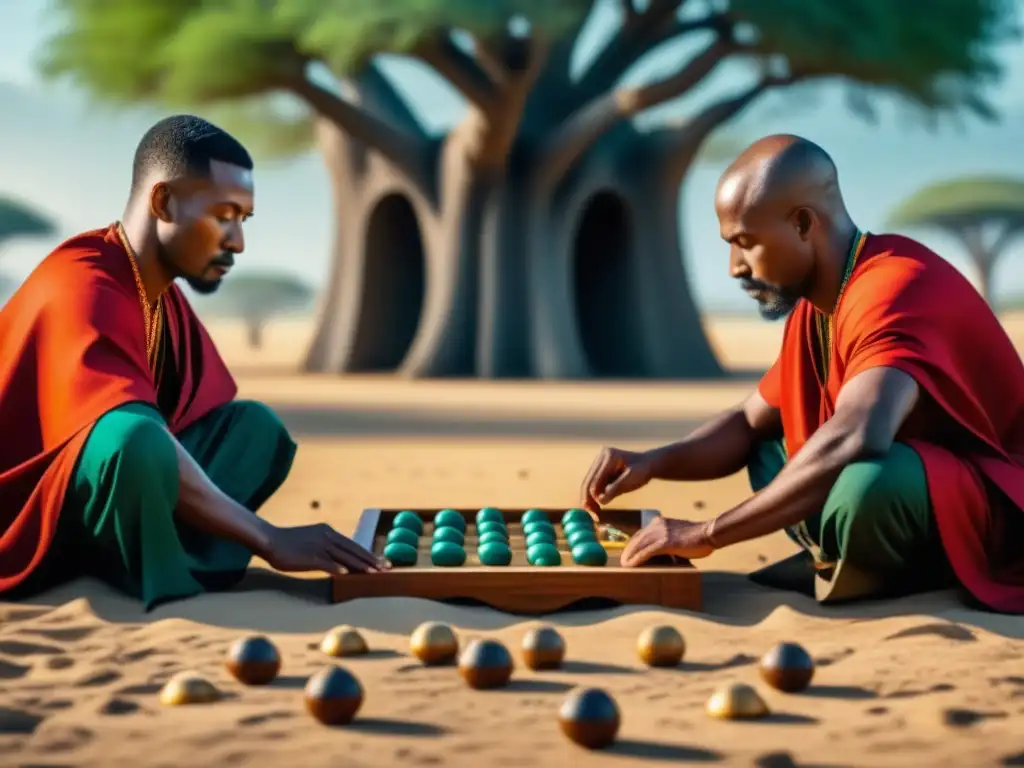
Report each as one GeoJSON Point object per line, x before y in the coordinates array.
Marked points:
{"type": "Point", "coordinates": [493, 544]}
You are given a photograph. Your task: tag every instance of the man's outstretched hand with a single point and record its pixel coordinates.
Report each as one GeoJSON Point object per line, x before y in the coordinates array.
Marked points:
{"type": "Point", "coordinates": [319, 548]}
{"type": "Point", "coordinates": [613, 473]}
{"type": "Point", "coordinates": [666, 536]}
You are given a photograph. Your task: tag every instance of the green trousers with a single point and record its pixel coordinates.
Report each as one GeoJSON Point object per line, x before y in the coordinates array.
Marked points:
{"type": "Point", "coordinates": [877, 518]}
{"type": "Point", "coordinates": [118, 522]}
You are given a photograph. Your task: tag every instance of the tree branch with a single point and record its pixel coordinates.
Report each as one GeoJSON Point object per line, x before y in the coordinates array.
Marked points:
{"type": "Point", "coordinates": [629, 11]}
{"type": "Point", "coordinates": [404, 148]}
{"type": "Point", "coordinates": [683, 143]}
{"type": "Point", "coordinates": [656, 26]}
{"type": "Point", "coordinates": [1012, 228]}
{"type": "Point", "coordinates": [460, 69]}
{"type": "Point", "coordinates": [588, 124]}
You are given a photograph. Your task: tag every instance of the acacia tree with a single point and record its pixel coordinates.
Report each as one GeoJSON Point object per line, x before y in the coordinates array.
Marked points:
{"type": "Point", "coordinates": [19, 220]}
{"type": "Point", "coordinates": [256, 298]}
{"type": "Point", "coordinates": [985, 213]}
{"type": "Point", "coordinates": [540, 235]}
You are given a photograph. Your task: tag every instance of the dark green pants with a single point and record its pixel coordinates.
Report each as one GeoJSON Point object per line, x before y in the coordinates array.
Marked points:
{"type": "Point", "coordinates": [118, 522]}
{"type": "Point", "coordinates": [878, 518]}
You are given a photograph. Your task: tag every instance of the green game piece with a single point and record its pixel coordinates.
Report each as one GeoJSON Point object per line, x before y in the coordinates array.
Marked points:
{"type": "Point", "coordinates": [543, 555]}
{"type": "Point", "coordinates": [589, 553]}
{"type": "Point", "coordinates": [539, 537]}
{"type": "Point", "coordinates": [533, 515]}
{"type": "Point", "coordinates": [402, 535]}
{"type": "Point", "coordinates": [579, 536]}
{"type": "Point", "coordinates": [492, 536]}
{"type": "Point", "coordinates": [492, 514]}
{"type": "Point", "coordinates": [494, 553]}
{"type": "Point", "coordinates": [543, 525]}
{"type": "Point", "coordinates": [576, 514]}
{"type": "Point", "coordinates": [447, 533]}
{"type": "Point", "coordinates": [492, 527]}
{"type": "Point", "coordinates": [570, 528]}
{"type": "Point", "coordinates": [450, 518]}
{"type": "Point", "coordinates": [408, 520]}
{"type": "Point", "coordinates": [400, 554]}
{"type": "Point", "coordinates": [447, 554]}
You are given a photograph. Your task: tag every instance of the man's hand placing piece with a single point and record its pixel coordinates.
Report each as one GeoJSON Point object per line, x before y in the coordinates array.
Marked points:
{"type": "Point", "coordinates": [613, 473]}
{"type": "Point", "coordinates": [320, 548]}
{"type": "Point", "coordinates": [666, 536]}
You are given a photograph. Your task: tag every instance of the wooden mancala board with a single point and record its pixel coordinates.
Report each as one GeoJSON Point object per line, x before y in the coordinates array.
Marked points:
{"type": "Point", "coordinates": [520, 587]}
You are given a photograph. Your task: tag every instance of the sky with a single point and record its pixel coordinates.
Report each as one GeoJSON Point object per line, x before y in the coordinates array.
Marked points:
{"type": "Point", "coordinates": [72, 159]}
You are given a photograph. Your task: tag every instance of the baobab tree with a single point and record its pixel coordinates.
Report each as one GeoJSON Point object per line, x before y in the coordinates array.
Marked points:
{"type": "Point", "coordinates": [539, 237]}
{"type": "Point", "coordinates": [985, 213]}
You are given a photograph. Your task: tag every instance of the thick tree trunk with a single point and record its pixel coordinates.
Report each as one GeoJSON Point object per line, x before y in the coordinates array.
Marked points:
{"type": "Point", "coordinates": [254, 332]}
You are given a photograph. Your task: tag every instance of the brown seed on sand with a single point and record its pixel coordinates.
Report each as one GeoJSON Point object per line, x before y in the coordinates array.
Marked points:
{"type": "Point", "coordinates": [333, 696]}
{"type": "Point", "coordinates": [543, 648]}
{"type": "Point", "coordinates": [314, 504]}
{"type": "Point", "coordinates": [485, 664]}
{"type": "Point", "coordinates": [736, 701]}
{"type": "Point", "coordinates": [253, 660]}
{"type": "Point", "coordinates": [787, 667]}
{"type": "Point", "coordinates": [344, 641]}
{"type": "Point", "coordinates": [434, 643]}
{"type": "Point", "coordinates": [589, 717]}
{"type": "Point", "coordinates": [188, 688]}
{"type": "Point", "coordinates": [661, 646]}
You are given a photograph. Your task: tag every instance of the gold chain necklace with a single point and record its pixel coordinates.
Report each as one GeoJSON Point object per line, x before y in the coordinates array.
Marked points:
{"type": "Point", "coordinates": [152, 316]}
{"type": "Point", "coordinates": [826, 323]}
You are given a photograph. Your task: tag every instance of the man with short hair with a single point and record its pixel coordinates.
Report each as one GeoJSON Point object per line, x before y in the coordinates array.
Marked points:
{"type": "Point", "coordinates": [888, 437]}
{"type": "Point", "coordinates": [124, 453]}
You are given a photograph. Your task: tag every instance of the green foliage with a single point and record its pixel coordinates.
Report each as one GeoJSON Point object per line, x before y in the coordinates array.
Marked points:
{"type": "Point", "coordinates": [967, 200]}
{"type": "Point", "coordinates": [345, 33]}
{"type": "Point", "coordinates": [258, 296]}
{"type": "Point", "coordinates": [19, 220]}
{"type": "Point", "coordinates": [939, 54]}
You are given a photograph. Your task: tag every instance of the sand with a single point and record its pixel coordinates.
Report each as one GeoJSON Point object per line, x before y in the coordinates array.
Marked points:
{"type": "Point", "coordinates": [916, 682]}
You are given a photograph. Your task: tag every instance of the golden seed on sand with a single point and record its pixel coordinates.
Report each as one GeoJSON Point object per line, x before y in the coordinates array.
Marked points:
{"type": "Point", "coordinates": [434, 643]}
{"type": "Point", "coordinates": [661, 646]}
{"type": "Point", "coordinates": [253, 660]}
{"type": "Point", "coordinates": [543, 648]}
{"type": "Point", "coordinates": [736, 701]}
{"type": "Point", "coordinates": [333, 696]}
{"type": "Point", "coordinates": [344, 641]}
{"type": "Point", "coordinates": [787, 667]}
{"type": "Point", "coordinates": [485, 664]}
{"type": "Point", "coordinates": [188, 688]}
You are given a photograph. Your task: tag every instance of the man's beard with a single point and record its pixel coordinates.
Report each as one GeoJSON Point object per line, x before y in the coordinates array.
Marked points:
{"type": "Point", "coordinates": [203, 287]}
{"type": "Point", "coordinates": [775, 302]}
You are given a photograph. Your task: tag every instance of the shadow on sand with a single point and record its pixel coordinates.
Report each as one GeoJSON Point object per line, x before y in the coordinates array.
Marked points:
{"type": "Point", "coordinates": [266, 601]}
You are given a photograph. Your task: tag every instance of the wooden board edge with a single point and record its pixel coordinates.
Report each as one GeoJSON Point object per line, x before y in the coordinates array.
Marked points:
{"type": "Point", "coordinates": [366, 528]}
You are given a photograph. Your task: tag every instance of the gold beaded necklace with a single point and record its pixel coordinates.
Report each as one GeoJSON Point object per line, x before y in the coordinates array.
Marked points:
{"type": "Point", "coordinates": [152, 315]}
{"type": "Point", "coordinates": [826, 323]}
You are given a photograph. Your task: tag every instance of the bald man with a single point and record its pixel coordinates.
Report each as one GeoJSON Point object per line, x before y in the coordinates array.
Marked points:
{"type": "Point", "coordinates": [887, 439]}
{"type": "Point", "coordinates": [125, 455]}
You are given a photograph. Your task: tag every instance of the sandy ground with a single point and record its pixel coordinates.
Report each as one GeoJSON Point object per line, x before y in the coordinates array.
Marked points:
{"type": "Point", "coordinates": [918, 682]}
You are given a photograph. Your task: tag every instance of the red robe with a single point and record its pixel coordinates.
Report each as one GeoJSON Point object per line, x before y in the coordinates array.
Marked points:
{"type": "Point", "coordinates": [72, 347]}
{"type": "Point", "coordinates": [905, 307]}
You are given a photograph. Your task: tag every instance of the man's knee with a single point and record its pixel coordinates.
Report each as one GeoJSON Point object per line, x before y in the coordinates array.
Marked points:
{"type": "Point", "coordinates": [260, 419]}
{"type": "Point", "coordinates": [133, 448]}
{"type": "Point", "coordinates": [880, 503]}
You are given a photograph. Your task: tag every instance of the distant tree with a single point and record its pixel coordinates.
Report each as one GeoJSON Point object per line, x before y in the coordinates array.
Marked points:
{"type": "Point", "coordinates": [540, 236]}
{"type": "Point", "coordinates": [257, 298]}
{"type": "Point", "coordinates": [985, 213]}
{"type": "Point", "coordinates": [19, 220]}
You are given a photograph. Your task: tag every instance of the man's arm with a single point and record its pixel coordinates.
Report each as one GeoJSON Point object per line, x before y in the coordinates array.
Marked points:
{"type": "Point", "coordinates": [720, 447]}
{"type": "Point", "coordinates": [870, 410]}
{"type": "Point", "coordinates": [306, 548]}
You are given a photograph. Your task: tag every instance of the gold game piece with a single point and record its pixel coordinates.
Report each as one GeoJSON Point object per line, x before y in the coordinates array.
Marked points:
{"type": "Point", "coordinates": [344, 641]}
{"type": "Point", "coordinates": [661, 646]}
{"type": "Point", "coordinates": [736, 701]}
{"type": "Point", "coordinates": [188, 688]}
{"type": "Point", "coordinates": [434, 643]}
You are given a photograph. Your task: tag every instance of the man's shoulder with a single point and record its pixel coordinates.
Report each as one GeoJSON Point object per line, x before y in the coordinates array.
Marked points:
{"type": "Point", "coordinates": [896, 267]}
